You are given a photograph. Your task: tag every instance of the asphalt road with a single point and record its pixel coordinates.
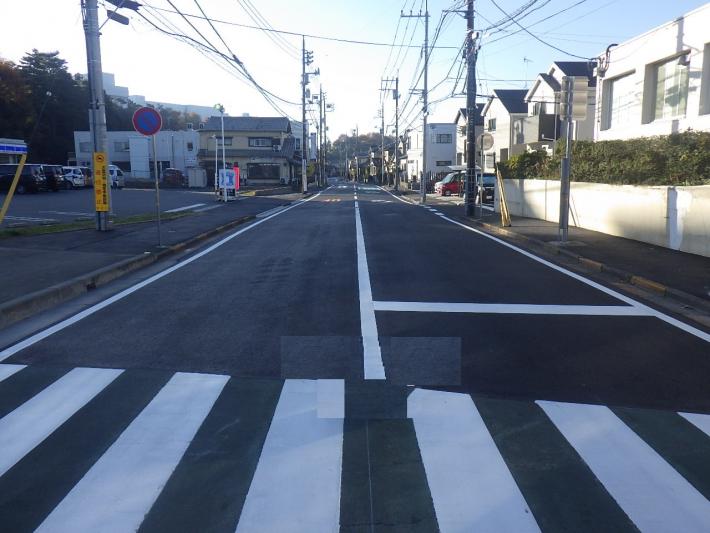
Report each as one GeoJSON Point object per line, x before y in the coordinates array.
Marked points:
{"type": "Point", "coordinates": [356, 362]}
{"type": "Point", "coordinates": [69, 206]}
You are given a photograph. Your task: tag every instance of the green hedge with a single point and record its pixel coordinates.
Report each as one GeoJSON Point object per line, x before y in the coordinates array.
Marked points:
{"type": "Point", "coordinates": [677, 159]}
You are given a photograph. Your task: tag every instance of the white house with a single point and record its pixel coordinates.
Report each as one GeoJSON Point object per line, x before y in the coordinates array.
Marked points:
{"type": "Point", "coordinates": [542, 127]}
{"type": "Point", "coordinates": [133, 152]}
{"type": "Point", "coordinates": [441, 149]}
{"type": "Point", "coordinates": [503, 117]}
{"type": "Point", "coordinates": [461, 122]}
{"type": "Point", "coordinates": [657, 83]}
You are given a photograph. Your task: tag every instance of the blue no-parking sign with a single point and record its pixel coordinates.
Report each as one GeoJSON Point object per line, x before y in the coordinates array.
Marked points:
{"type": "Point", "coordinates": [147, 121]}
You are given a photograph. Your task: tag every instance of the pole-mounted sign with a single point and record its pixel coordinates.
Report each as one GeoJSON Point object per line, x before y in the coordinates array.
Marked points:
{"type": "Point", "coordinates": [100, 183]}
{"type": "Point", "coordinates": [148, 121]}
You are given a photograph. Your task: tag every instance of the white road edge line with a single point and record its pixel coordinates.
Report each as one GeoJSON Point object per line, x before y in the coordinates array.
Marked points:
{"type": "Point", "coordinates": [650, 311]}
{"type": "Point", "coordinates": [41, 335]}
{"type": "Point", "coordinates": [8, 370]}
{"type": "Point", "coordinates": [700, 421]}
{"type": "Point", "coordinates": [372, 355]}
{"type": "Point", "coordinates": [187, 207]}
{"type": "Point", "coordinates": [512, 309]}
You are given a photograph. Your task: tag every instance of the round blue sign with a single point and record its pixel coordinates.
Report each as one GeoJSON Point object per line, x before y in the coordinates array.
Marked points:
{"type": "Point", "coordinates": [147, 121]}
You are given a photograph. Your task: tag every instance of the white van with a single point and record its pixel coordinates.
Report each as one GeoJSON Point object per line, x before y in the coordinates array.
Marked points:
{"type": "Point", "coordinates": [78, 176]}
{"type": "Point", "coordinates": [118, 180]}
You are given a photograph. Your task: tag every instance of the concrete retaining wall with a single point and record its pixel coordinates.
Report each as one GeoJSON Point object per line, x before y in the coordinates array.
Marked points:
{"type": "Point", "coordinates": [674, 217]}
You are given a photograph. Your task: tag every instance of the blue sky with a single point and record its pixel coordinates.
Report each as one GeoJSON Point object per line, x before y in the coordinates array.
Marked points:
{"type": "Point", "coordinates": [161, 68]}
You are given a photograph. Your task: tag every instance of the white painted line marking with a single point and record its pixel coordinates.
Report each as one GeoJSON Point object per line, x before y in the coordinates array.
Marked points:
{"type": "Point", "coordinates": [513, 309]}
{"type": "Point", "coordinates": [653, 494]}
{"type": "Point", "coordinates": [488, 208]}
{"type": "Point", "coordinates": [296, 485]}
{"type": "Point", "coordinates": [331, 398]}
{"type": "Point", "coordinates": [37, 418]}
{"type": "Point", "coordinates": [651, 312]}
{"type": "Point", "coordinates": [209, 208]}
{"type": "Point", "coordinates": [117, 492]}
{"type": "Point", "coordinates": [702, 422]}
{"type": "Point", "coordinates": [271, 211]}
{"type": "Point", "coordinates": [70, 213]}
{"type": "Point", "coordinates": [372, 355]}
{"type": "Point", "coordinates": [186, 208]}
{"type": "Point", "coordinates": [30, 219]}
{"type": "Point", "coordinates": [13, 349]}
{"type": "Point", "coordinates": [8, 370]}
{"type": "Point", "coordinates": [470, 484]}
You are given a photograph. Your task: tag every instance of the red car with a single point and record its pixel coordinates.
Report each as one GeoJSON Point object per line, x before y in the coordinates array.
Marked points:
{"type": "Point", "coordinates": [451, 184]}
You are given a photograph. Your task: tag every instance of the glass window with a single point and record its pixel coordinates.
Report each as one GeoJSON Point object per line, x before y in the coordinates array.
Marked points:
{"type": "Point", "coordinates": [190, 147]}
{"type": "Point", "coordinates": [120, 146]}
{"type": "Point", "coordinates": [705, 82]}
{"type": "Point", "coordinates": [619, 100]}
{"type": "Point", "coordinates": [443, 163]}
{"type": "Point", "coordinates": [671, 88]}
{"type": "Point", "coordinates": [444, 138]}
{"type": "Point", "coordinates": [260, 142]}
{"type": "Point", "coordinates": [492, 124]}
{"type": "Point", "coordinates": [227, 141]}
{"type": "Point", "coordinates": [85, 147]}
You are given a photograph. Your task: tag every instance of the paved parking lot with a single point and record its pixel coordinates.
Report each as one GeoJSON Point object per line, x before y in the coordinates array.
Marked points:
{"type": "Point", "coordinates": [69, 206]}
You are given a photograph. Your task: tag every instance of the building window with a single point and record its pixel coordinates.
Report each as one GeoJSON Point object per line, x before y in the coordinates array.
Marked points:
{"type": "Point", "coordinates": [535, 109]}
{"type": "Point", "coordinates": [298, 144]}
{"type": "Point", "coordinates": [444, 138]}
{"type": "Point", "coordinates": [120, 146]}
{"type": "Point", "coordinates": [618, 101]}
{"type": "Point", "coordinates": [443, 163]}
{"type": "Point", "coordinates": [190, 147]}
{"type": "Point", "coordinates": [670, 88]}
{"type": "Point", "coordinates": [227, 141]}
{"type": "Point", "coordinates": [85, 147]}
{"type": "Point", "coordinates": [260, 142]}
{"type": "Point", "coordinates": [491, 124]}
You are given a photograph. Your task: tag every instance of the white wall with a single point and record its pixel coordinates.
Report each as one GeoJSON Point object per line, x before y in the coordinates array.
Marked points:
{"type": "Point", "coordinates": [634, 57]}
{"type": "Point", "coordinates": [674, 217]}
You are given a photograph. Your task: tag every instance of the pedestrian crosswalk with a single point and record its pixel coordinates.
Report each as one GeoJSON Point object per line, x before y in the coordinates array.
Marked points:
{"type": "Point", "coordinates": [94, 449]}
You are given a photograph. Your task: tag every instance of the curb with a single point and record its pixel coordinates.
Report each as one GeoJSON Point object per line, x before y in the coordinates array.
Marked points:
{"type": "Point", "coordinates": [639, 281]}
{"type": "Point", "coordinates": [24, 306]}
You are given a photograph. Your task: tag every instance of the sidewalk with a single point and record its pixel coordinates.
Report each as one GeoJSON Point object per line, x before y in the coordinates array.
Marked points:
{"type": "Point", "coordinates": [683, 276]}
{"type": "Point", "coordinates": [39, 271]}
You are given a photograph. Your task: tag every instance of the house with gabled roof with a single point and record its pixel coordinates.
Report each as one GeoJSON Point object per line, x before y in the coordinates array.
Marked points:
{"type": "Point", "coordinates": [503, 117]}
{"type": "Point", "coordinates": [542, 127]}
{"type": "Point", "coordinates": [264, 148]}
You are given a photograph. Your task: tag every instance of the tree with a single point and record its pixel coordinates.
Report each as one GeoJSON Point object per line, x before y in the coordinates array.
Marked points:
{"type": "Point", "coordinates": [16, 110]}
{"type": "Point", "coordinates": [175, 120]}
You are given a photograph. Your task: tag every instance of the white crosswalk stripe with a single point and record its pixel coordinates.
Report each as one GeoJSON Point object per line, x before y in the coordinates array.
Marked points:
{"type": "Point", "coordinates": [121, 487]}
{"type": "Point", "coordinates": [299, 461]}
{"type": "Point", "coordinates": [32, 422]}
{"type": "Point", "coordinates": [650, 491]}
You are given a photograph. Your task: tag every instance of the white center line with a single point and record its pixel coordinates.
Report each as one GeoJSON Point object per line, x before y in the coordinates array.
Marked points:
{"type": "Point", "coordinates": [372, 355]}
{"type": "Point", "coordinates": [36, 419]}
{"type": "Point", "coordinates": [118, 491]}
{"type": "Point", "coordinates": [186, 208]}
{"type": "Point", "coordinates": [653, 494]}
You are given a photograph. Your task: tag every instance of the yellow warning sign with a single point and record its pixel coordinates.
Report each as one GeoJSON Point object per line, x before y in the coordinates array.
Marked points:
{"type": "Point", "coordinates": [101, 181]}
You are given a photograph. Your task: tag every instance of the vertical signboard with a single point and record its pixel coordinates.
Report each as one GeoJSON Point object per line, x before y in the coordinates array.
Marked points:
{"type": "Point", "coordinates": [100, 182]}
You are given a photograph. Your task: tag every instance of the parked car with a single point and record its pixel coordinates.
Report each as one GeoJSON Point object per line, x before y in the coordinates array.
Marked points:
{"type": "Point", "coordinates": [31, 179]}
{"type": "Point", "coordinates": [55, 177]}
{"type": "Point", "coordinates": [451, 184]}
{"type": "Point", "coordinates": [118, 180]}
{"type": "Point", "coordinates": [489, 187]}
{"type": "Point", "coordinates": [173, 177]}
{"type": "Point", "coordinates": [78, 176]}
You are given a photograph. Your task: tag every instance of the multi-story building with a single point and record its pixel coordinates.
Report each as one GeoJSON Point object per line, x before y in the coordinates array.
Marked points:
{"type": "Point", "coordinates": [504, 115]}
{"type": "Point", "coordinates": [656, 83]}
{"type": "Point", "coordinates": [263, 148]}
{"type": "Point", "coordinates": [133, 152]}
{"type": "Point", "coordinates": [441, 150]}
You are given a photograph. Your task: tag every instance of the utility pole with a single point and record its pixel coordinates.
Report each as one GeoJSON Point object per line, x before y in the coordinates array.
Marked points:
{"type": "Point", "coordinates": [304, 146]}
{"type": "Point", "coordinates": [382, 150]}
{"type": "Point", "coordinates": [471, 53]}
{"type": "Point", "coordinates": [321, 159]}
{"type": "Point", "coordinates": [396, 130]}
{"type": "Point", "coordinates": [97, 107]}
{"type": "Point", "coordinates": [325, 135]}
{"type": "Point", "coordinates": [425, 98]}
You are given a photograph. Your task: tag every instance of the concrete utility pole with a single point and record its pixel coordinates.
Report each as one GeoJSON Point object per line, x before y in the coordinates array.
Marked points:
{"type": "Point", "coordinates": [568, 85]}
{"type": "Point", "coordinates": [470, 186]}
{"type": "Point", "coordinates": [97, 107]}
{"type": "Point", "coordinates": [382, 149]}
{"type": "Point", "coordinates": [321, 159]}
{"type": "Point", "coordinates": [425, 97]}
{"type": "Point", "coordinates": [304, 146]}
{"type": "Point", "coordinates": [396, 129]}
